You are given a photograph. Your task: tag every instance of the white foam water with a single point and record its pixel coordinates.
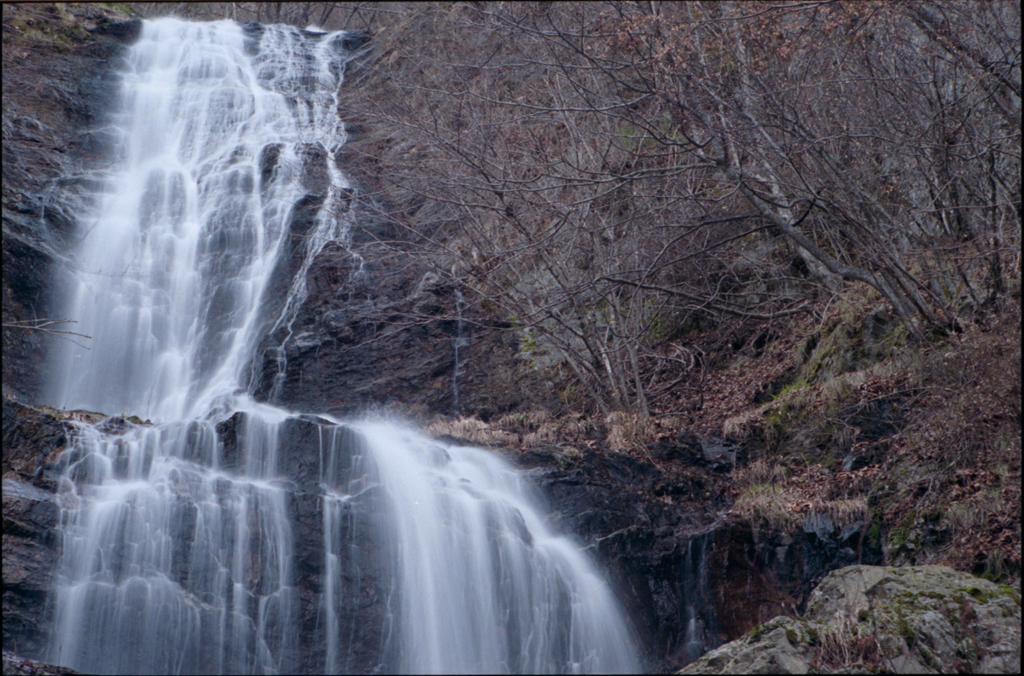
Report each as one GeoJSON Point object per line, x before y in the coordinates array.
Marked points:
{"type": "Point", "coordinates": [171, 565]}
{"type": "Point", "coordinates": [485, 584]}
{"type": "Point", "coordinates": [170, 277]}
{"type": "Point", "coordinates": [179, 538]}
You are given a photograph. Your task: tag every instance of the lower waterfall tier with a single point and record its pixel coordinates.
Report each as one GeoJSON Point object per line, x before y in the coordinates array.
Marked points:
{"type": "Point", "coordinates": [189, 548]}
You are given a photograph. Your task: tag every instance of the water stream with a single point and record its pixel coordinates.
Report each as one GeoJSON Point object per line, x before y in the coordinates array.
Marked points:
{"type": "Point", "coordinates": [231, 536]}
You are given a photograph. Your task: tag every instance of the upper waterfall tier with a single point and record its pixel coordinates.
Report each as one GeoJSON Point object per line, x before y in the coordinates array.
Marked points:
{"type": "Point", "coordinates": [227, 139]}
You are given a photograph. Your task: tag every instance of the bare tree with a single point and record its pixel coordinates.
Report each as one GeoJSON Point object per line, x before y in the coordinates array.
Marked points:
{"type": "Point", "coordinates": [597, 171]}
{"type": "Point", "coordinates": [846, 142]}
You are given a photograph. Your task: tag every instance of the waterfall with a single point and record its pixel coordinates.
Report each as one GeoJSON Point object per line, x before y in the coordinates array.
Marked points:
{"type": "Point", "coordinates": [501, 591]}
{"type": "Point", "coordinates": [232, 536]}
{"type": "Point", "coordinates": [701, 631]}
{"type": "Point", "coordinates": [460, 304]}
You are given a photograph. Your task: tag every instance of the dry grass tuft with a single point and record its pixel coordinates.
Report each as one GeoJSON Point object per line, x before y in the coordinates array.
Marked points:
{"type": "Point", "coordinates": [472, 429]}
{"type": "Point", "coordinates": [760, 471]}
{"type": "Point", "coordinates": [777, 497]}
{"type": "Point", "coordinates": [841, 648]}
{"type": "Point", "coordinates": [629, 431]}
{"type": "Point", "coordinates": [740, 426]}
{"type": "Point", "coordinates": [767, 505]}
{"type": "Point", "coordinates": [533, 429]}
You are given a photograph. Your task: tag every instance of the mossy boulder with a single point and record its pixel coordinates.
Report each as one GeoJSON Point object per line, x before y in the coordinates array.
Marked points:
{"type": "Point", "coordinates": [861, 619]}
{"type": "Point", "coordinates": [770, 648]}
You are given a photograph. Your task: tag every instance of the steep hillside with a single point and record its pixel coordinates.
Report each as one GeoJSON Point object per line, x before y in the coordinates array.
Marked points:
{"type": "Point", "coordinates": [832, 398]}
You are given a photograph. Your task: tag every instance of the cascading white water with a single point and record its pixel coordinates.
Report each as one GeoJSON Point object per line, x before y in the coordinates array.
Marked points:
{"type": "Point", "coordinates": [485, 585]}
{"type": "Point", "coordinates": [183, 540]}
{"type": "Point", "coordinates": [171, 565]}
{"type": "Point", "coordinates": [170, 278]}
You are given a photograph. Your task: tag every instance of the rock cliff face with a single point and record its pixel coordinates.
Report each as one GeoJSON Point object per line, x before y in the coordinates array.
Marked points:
{"type": "Point", "coordinates": [690, 577]}
{"type": "Point", "coordinates": [30, 514]}
{"type": "Point", "coordinates": [34, 492]}
{"type": "Point", "coordinates": [388, 337]}
{"type": "Point", "coordinates": [364, 613]}
{"type": "Point", "coordinates": [60, 65]}
{"type": "Point", "coordinates": [59, 79]}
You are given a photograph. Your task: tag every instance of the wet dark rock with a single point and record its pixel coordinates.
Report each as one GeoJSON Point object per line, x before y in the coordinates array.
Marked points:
{"type": "Point", "coordinates": [31, 439]}
{"type": "Point", "coordinates": [124, 31]}
{"type": "Point", "coordinates": [690, 577]}
{"type": "Point", "coordinates": [315, 177]}
{"type": "Point", "coordinates": [30, 516]}
{"type": "Point", "coordinates": [253, 34]}
{"type": "Point", "coordinates": [378, 329]}
{"type": "Point", "coordinates": [29, 512]}
{"type": "Point", "coordinates": [269, 157]}
{"type": "Point", "coordinates": [182, 533]}
{"type": "Point", "coordinates": [365, 558]}
{"type": "Point", "coordinates": [327, 463]}
{"type": "Point", "coordinates": [301, 451]}
{"type": "Point", "coordinates": [114, 425]}
{"type": "Point", "coordinates": [303, 221]}
{"type": "Point", "coordinates": [15, 665]}
{"type": "Point", "coordinates": [708, 450]}
{"type": "Point", "coordinates": [651, 545]}
{"type": "Point", "coordinates": [51, 139]}
{"type": "Point", "coordinates": [228, 432]}
{"type": "Point", "coordinates": [254, 29]}
{"type": "Point", "coordinates": [88, 470]}
{"type": "Point", "coordinates": [351, 41]}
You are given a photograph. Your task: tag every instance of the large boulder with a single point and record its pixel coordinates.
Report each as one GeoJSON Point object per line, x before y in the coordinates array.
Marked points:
{"type": "Point", "coordinates": [917, 619]}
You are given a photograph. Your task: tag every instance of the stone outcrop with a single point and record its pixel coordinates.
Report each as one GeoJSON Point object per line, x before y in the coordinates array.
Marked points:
{"type": "Point", "coordinates": [30, 557]}
{"type": "Point", "coordinates": [32, 441]}
{"type": "Point", "coordinates": [378, 328]}
{"type": "Point", "coordinates": [689, 577]}
{"type": "Point", "coordinates": [365, 560]}
{"type": "Point", "coordinates": [915, 619]}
